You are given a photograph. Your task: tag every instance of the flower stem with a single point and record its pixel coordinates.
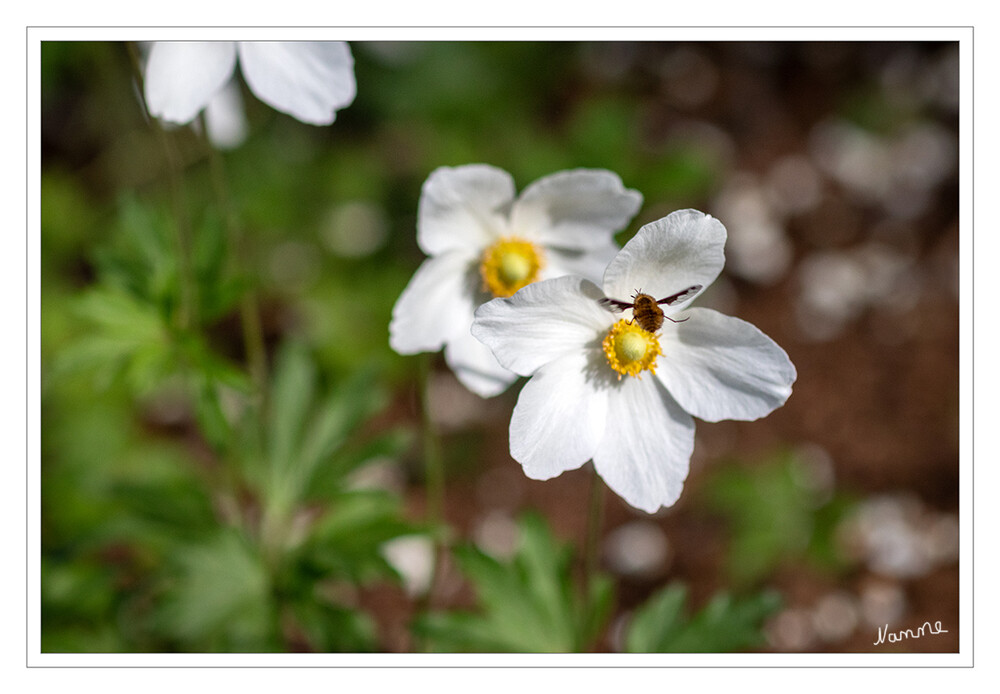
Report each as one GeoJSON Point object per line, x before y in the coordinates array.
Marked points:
{"type": "Point", "coordinates": [595, 522]}
{"type": "Point", "coordinates": [253, 333]}
{"type": "Point", "coordinates": [433, 471]}
{"type": "Point", "coordinates": [187, 310]}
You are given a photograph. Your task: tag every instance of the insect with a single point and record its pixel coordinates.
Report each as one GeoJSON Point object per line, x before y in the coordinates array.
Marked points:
{"type": "Point", "coordinates": [646, 310]}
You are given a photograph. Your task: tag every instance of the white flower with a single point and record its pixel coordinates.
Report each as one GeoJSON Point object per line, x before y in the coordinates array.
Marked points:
{"type": "Point", "coordinates": [309, 80]}
{"type": "Point", "coordinates": [483, 242]}
{"type": "Point", "coordinates": [225, 120]}
{"type": "Point", "coordinates": [588, 397]}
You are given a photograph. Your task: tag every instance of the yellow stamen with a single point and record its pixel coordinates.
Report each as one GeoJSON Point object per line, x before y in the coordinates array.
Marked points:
{"type": "Point", "coordinates": [510, 264]}
{"type": "Point", "coordinates": [630, 349]}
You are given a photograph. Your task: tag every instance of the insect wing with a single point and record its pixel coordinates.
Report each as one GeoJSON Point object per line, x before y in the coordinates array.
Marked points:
{"type": "Point", "coordinates": [681, 295]}
{"type": "Point", "coordinates": [614, 304]}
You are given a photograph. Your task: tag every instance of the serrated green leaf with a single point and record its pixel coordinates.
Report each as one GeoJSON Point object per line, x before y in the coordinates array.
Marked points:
{"type": "Point", "coordinates": [655, 623]}
{"type": "Point", "coordinates": [220, 595]}
{"type": "Point", "coordinates": [725, 625]}
{"type": "Point", "coordinates": [219, 287]}
{"type": "Point", "coordinates": [126, 338]}
{"type": "Point", "coordinates": [332, 629]}
{"type": "Point", "coordinates": [291, 396]}
{"type": "Point", "coordinates": [338, 417]}
{"type": "Point", "coordinates": [771, 514]}
{"type": "Point", "coordinates": [332, 473]}
{"type": "Point", "coordinates": [526, 605]}
{"type": "Point", "coordinates": [304, 437]}
{"type": "Point", "coordinates": [543, 568]}
{"type": "Point", "coordinates": [142, 256]}
{"type": "Point", "coordinates": [346, 542]}
{"type": "Point", "coordinates": [459, 632]}
{"type": "Point", "coordinates": [173, 510]}
{"type": "Point", "coordinates": [593, 611]}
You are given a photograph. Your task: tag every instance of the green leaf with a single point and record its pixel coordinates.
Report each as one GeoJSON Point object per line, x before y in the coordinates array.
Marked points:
{"type": "Point", "coordinates": [141, 257]}
{"type": "Point", "coordinates": [354, 401]}
{"type": "Point", "coordinates": [526, 605]}
{"type": "Point", "coordinates": [772, 512]}
{"type": "Point", "coordinates": [725, 625]}
{"type": "Point", "coordinates": [126, 338]}
{"type": "Point", "coordinates": [161, 511]}
{"type": "Point", "coordinates": [219, 598]}
{"type": "Point", "coordinates": [346, 542]}
{"type": "Point", "coordinates": [332, 473]}
{"type": "Point", "coordinates": [305, 438]}
{"type": "Point", "coordinates": [333, 629]}
{"type": "Point", "coordinates": [291, 395]}
{"type": "Point", "coordinates": [75, 591]}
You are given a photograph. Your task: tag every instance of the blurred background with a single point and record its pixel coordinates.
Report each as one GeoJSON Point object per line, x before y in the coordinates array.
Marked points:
{"type": "Point", "coordinates": [834, 167]}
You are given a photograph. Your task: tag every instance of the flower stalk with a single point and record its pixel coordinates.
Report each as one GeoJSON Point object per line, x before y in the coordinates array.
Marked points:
{"type": "Point", "coordinates": [595, 526]}
{"type": "Point", "coordinates": [187, 310]}
{"type": "Point", "coordinates": [433, 471]}
{"type": "Point", "coordinates": [253, 333]}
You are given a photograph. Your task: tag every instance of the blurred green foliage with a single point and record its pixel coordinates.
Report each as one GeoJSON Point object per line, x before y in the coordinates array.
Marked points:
{"type": "Point", "coordinates": [778, 511]}
{"type": "Point", "coordinates": [725, 625]}
{"type": "Point", "coordinates": [530, 604]}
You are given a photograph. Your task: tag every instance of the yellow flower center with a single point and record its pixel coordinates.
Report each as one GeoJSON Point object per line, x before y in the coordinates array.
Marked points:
{"type": "Point", "coordinates": [510, 264]}
{"type": "Point", "coordinates": [630, 349]}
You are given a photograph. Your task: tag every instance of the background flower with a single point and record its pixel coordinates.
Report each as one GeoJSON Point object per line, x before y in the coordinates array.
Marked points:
{"type": "Point", "coordinates": [309, 80]}
{"type": "Point", "coordinates": [483, 242]}
{"type": "Point", "coordinates": [583, 403]}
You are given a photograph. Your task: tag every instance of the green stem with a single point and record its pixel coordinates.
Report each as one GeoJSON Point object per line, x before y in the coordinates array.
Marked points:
{"type": "Point", "coordinates": [595, 522]}
{"type": "Point", "coordinates": [273, 525]}
{"type": "Point", "coordinates": [225, 481]}
{"type": "Point", "coordinates": [253, 333]}
{"type": "Point", "coordinates": [188, 310]}
{"type": "Point", "coordinates": [433, 471]}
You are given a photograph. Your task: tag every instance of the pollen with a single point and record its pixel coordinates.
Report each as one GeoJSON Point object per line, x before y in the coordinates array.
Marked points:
{"type": "Point", "coordinates": [630, 350]}
{"type": "Point", "coordinates": [509, 264]}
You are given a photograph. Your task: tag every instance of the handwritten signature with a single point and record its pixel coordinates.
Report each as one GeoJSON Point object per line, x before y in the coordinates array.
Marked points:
{"type": "Point", "coordinates": [893, 637]}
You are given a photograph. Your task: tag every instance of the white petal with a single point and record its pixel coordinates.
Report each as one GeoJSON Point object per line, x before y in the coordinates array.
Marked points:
{"type": "Point", "coordinates": [463, 207]}
{"type": "Point", "coordinates": [182, 76]}
{"type": "Point", "coordinates": [682, 249]}
{"type": "Point", "coordinates": [647, 445]}
{"type": "Point", "coordinates": [559, 418]}
{"type": "Point", "coordinates": [475, 366]}
{"type": "Point", "coordinates": [225, 119]}
{"type": "Point", "coordinates": [719, 367]}
{"type": "Point", "coordinates": [582, 208]}
{"type": "Point", "coordinates": [436, 306]}
{"type": "Point", "coordinates": [542, 322]}
{"type": "Point", "coordinates": [309, 80]}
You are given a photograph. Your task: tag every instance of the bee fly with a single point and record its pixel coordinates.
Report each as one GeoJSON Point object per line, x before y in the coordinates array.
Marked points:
{"type": "Point", "coordinates": [646, 310]}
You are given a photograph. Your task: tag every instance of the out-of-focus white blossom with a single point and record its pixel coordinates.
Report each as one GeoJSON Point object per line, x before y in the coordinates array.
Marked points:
{"type": "Point", "coordinates": [309, 80]}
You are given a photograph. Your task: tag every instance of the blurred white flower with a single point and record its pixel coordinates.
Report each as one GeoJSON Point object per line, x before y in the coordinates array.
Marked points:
{"type": "Point", "coordinates": [413, 557]}
{"type": "Point", "coordinates": [759, 248]}
{"type": "Point", "coordinates": [587, 398]}
{"type": "Point", "coordinates": [225, 118]}
{"type": "Point", "coordinates": [638, 549]}
{"type": "Point", "coordinates": [309, 80]}
{"type": "Point", "coordinates": [897, 536]}
{"type": "Point", "coordinates": [483, 243]}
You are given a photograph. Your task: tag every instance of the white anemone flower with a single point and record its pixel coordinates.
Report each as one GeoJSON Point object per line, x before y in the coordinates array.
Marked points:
{"type": "Point", "coordinates": [225, 119]}
{"type": "Point", "coordinates": [483, 242]}
{"type": "Point", "coordinates": [309, 80]}
{"type": "Point", "coordinates": [604, 388]}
